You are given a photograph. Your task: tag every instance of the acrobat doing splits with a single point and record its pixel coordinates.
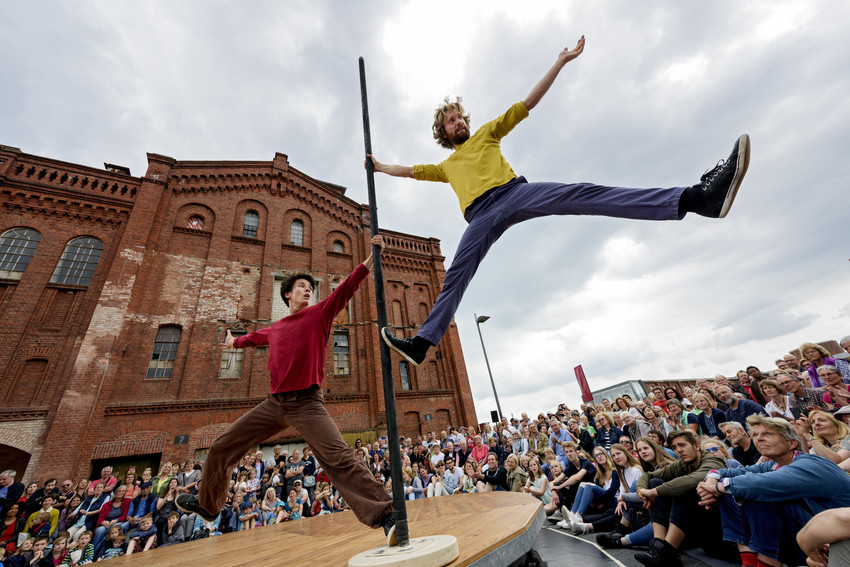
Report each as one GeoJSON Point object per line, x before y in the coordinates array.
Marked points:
{"type": "Point", "coordinates": [297, 347]}
{"type": "Point", "coordinates": [493, 198]}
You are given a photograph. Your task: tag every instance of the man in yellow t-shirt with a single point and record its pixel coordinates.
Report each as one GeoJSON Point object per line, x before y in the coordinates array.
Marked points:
{"type": "Point", "coordinates": [492, 197]}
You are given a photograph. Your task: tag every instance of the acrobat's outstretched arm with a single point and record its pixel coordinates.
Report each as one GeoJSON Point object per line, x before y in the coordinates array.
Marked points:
{"type": "Point", "coordinates": [394, 170]}
{"type": "Point", "coordinates": [543, 85]}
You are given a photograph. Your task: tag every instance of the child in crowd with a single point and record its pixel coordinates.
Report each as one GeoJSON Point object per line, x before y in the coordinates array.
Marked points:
{"type": "Point", "coordinates": [59, 552]}
{"type": "Point", "coordinates": [40, 525]}
{"type": "Point", "coordinates": [18, 559]}
{"type": "Point", "coordinates": [143, 538]}
{"type": "Point", "coordinates": [248, 513]}
{"type": "Point", "coordinates": [81, 552]}
{"type": "Point", "coordinates": [114, 543]}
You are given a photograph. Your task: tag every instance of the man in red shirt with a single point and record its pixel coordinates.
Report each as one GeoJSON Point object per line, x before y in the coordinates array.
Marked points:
{"type": "Point", "coordinates": [297, 346]}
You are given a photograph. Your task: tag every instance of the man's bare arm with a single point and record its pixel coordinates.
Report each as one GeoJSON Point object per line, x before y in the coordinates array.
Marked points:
{"type": "Point", "coordinates": [543, 85]}
{"type": "Point", "coordinates": [394, 170]}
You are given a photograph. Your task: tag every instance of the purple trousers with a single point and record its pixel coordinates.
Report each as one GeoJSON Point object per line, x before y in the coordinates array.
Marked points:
{"type": "Point", "coordinates": [517, 201]}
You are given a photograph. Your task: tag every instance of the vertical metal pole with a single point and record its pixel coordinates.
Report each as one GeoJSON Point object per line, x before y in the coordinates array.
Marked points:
{"type": "Point", "coordinates": [399, 507]}
{"type": "Point", "coordinates": [487, 360]}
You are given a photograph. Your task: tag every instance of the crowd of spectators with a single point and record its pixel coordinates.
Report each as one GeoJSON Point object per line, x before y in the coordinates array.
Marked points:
{"type": "Point", "coordinates": [737, 466]}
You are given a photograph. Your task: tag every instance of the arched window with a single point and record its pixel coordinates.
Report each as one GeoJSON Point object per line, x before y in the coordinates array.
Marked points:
{"type": "Point", "coordinates": [17, 247]}
{"type": "Point", "coordinates": [296, 233]}
{"type": "Point", "coordinates": [164, 352]}
{"type": "Point", "coordinates": [339, 246]}
{"type": "Point", "coordinates": [78, 262]}
{"type": "Point", "coordinates": [196, 222]}
{"type": "Point", "coordinates": [252, 222]}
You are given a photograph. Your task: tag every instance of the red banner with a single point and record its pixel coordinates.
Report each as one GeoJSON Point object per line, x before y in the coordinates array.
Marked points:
{"type": "Point", "coordinates": [586, 396]}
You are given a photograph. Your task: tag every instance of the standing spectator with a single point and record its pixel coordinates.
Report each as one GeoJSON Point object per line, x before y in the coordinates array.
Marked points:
{"type": "Point", "coordinates": [739, 410]}
{"type": "Point", "coordinates": [275, 459]}
{"type": "Point", "coordinates": [743, 449]}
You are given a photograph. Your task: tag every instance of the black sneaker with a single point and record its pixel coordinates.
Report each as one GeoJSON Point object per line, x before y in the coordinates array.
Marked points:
{"type": "Point", "coordinates": [720, 185]}
{"type": "Point", "coordinates": [414, 350]}
{"type": "Point", "coordinates": [389, 529]}
{"type": "Point", "coordinates": [611, 540]}
{"type": "Point", "coordinates": [189, 503]}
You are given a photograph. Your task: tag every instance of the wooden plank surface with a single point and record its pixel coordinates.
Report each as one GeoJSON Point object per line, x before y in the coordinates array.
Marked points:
{"type": "Point", "coordinates": [480, 522]}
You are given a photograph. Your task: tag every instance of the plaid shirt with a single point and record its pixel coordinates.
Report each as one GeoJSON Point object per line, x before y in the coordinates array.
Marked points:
{"type": "Point", "coordinates": [811, 397]}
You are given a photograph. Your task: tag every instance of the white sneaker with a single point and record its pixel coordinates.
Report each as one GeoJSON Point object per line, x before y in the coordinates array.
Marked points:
{"type": "Point", "coordinates": [580, 528]}
{"type": "Point", "coordinates": [565, 525]}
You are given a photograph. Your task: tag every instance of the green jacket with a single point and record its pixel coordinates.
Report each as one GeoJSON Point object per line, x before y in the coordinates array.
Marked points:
{"type": "Point", "coordinates": [680, 477]}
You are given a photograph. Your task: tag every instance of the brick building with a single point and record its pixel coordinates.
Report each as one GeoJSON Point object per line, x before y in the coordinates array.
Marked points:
{"type": "Point", "coordinates": [116, 290]}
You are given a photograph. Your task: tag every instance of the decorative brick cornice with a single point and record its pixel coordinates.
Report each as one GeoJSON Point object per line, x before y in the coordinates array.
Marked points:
{"type": "Point", "coordinates": [84, 212]}
{"type": "Point", "coordinates": [196, 232]}
{"type": "Point", "coordinates": [23, 414]}
{"type": "Point", "coordinates": [247, 240]}
{"type": "Point", "coordinates": [295, 248]}
{"type": "Point", "coordinates": [86, 182]}
{"type": "Point", "coordinates": [425, 394]}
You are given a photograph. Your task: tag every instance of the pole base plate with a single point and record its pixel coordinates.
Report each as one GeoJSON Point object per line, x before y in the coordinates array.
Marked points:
{"type": "Point", "coordinates": [429, 551]}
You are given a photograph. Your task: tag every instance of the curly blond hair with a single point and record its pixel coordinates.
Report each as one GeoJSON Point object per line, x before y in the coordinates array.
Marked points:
{"type": "Point", "coordinates": [440, 115]}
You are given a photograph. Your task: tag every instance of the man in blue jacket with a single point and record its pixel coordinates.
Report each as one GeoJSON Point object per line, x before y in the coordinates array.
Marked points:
{"type": "Point", "coordinates": [141, 506]}
{"type": "Point", "coordinates": [763, 506]}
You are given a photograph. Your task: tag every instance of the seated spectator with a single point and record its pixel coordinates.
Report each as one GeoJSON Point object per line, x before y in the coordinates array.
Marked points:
{"type": "Point", "coordinates": [673, 506]}
{"type": "Point", "coordinates": [173, 532]}
{"type": "Point", "coordinates": [708, 422]}
{"type": "Point", "coordinates": [538, 486]}
{"type": "Point", "coordinates": [69, 514]}
{"type": "Point", "coordinates": [413, 487]}
{"type": "Point", "coordinates": [325, 502]}
{"type": "Point", "coordinates": [804, 399]}
{"type": "Point", "coordinates": [660, 438]}
{"type": "Point", "coordinates": [165, 506]}
{"type": "Point", "coordinates": [10, 527]}
{"type": "Point", "coordinates": [189, 477]}
{"type": "Point", "coordinates": [680, 418]}
{"type": "Point", "coordinates": [109, 483]}
{"type": "Point", "coordinates": [837, 392]}
{"type": "Point", "coordinates": [712, 399]}
{"type": "Point", "coordinates": [718, 448]}
{"type": "Point", "coordinates": [580, 437]}
{"type": "Point", "coordinates": [143, 538]}
{"type": "Point", "coordinates": [48, 510]}
{"type": "Point", "coordinates": [763, 506]}
{"type": "Point", "coordinates": [267, 507]}
{"type": "Point", "coordinates": [114, 545]}
{"type": "Point", "coordinates": [112, 514]}
{"type": "Point", "coordinates": [606, 432]}
{"type": "Point", "coordinates": [825, 436]}
{"type": "Point", "coordinates": [843, 415]}
{"type": "Point", "coordinates": [494, 476]}
{"type": "Point", "coordinates": [248, 513]}
{"type": "Point", "coordinates": [142, 505]}
{"type": "Point", "coordinates": [437, 486]}
{"type": "Point", "coordinates": [743, 449]}
{"type": "Point", "coordinates": [160, 481]}
{"type": "Point", "coordinates": [88, 513]}
{"type": "Point", "coordinates": [519, 445]}
{"type": "Point", "coordinates": [10, 490]}
{"type": "Point", "coordinates": [779, 403]}
{"type": "Point", "coordinates": [627, 442]}
{"type": "Point", "coordinates": [739, 410]}
{"type": "Point", "coordinates": [470, 482]}
{"type": "Point", "coordinates": [293, 505]}
{"type": "Point", "coordinates": [819, 356]}
{"type": "Point", "coordinates": [827, 532]}
{"type": "Point", "coordinates": [82, 550]}
{"type": "Point", "coordinates": [630, 426]}
{"type": "Point", "coordinates": [23, 555]}
{"type": "Point", "coordinates": [629, 471]}
{"type": "Point", "coordinates": [575, 468]}
{"type": "Point", "coordinates": [130, 484]}
{"type": "Point", "coordinates": [599, 495]}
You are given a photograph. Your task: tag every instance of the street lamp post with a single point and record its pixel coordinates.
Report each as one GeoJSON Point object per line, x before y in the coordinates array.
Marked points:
{"type": "Point", "coordinates": [478, 321]}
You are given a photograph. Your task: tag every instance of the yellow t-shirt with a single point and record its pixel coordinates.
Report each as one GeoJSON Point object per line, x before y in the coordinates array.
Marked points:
{"type": "Point", "coordinates": [477, 165]}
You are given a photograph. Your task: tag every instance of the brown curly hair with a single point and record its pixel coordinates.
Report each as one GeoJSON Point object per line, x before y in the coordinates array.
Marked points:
{"type": "Point", "coordinates": [440, 115]}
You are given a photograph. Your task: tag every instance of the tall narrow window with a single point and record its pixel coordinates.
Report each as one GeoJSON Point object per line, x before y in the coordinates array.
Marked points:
{"type": "Point", "coordinates": [164, 352]}
{"type": "Point", "coordinates": [78, 262]}
{"type": "Point", "coordinates": [296, 233]}
{"type": "Point", "coordinates": [252, 222]}
{"type": "Point", "coordinates": [17, 247]}
{"type": "Point", "coordinates": [404, 372]}
{"type": "Point", "coordinates": [341, 354]}
{"type": "Point", "coordinates": [231, 360]}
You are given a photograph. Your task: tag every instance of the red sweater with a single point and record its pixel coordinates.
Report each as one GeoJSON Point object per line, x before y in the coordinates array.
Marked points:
{"type": "Point", "coordinates": [298, 343]}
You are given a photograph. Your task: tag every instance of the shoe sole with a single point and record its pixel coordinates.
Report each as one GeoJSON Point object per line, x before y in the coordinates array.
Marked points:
{"type": "Point", "coordinates": [189, 511]}
{"type": "Point", "coordinates": [392, 540]}
{"type": "Point", "coordinates": [386, 340]}
{"type": "Point", "coordinates": [740, 170]}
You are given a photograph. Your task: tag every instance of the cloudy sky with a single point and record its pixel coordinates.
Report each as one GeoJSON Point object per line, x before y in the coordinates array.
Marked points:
{"type": "Point", "coordinates": [659, 95]}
